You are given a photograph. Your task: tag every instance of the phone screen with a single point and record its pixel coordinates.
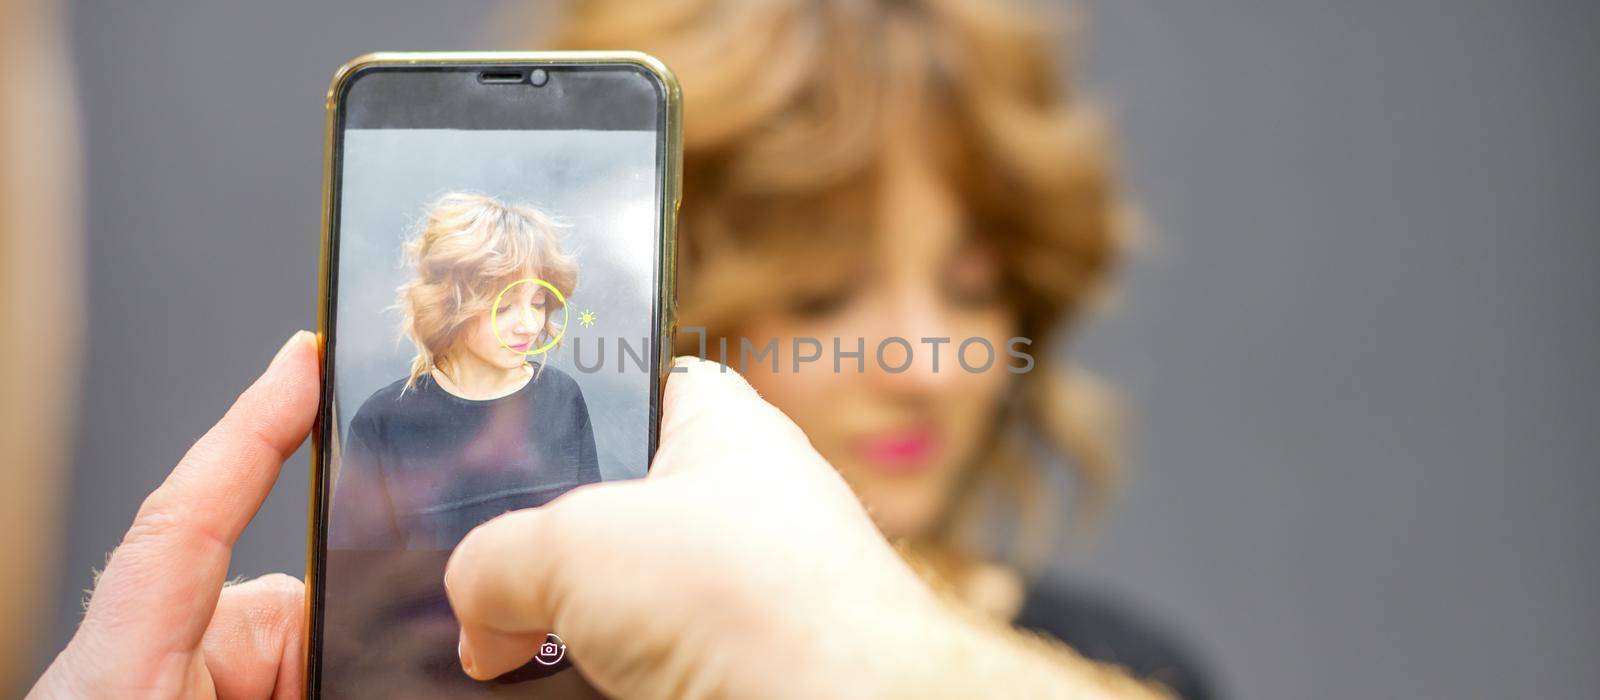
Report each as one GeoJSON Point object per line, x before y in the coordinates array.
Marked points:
{"type": "Point", "coordinates": [496, 293]}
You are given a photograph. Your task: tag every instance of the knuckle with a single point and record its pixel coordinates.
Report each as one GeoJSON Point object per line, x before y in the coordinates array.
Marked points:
{"type": "Point", "coordinates": [166, 517]}
{"type": "Point", "coordinates": [157, 518]}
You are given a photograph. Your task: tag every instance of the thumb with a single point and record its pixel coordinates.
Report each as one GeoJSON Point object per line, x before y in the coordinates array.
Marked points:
{"type": "Point", "coordinates": [504, 598]}
{"type": "Point", "coordinates": [710, 414]}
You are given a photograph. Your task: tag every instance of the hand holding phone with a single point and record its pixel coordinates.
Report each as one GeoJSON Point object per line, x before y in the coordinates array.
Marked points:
{"type": "Point", "coordinates": [160, 621]}
{"type": "Point", "coordinates": [742, 563]}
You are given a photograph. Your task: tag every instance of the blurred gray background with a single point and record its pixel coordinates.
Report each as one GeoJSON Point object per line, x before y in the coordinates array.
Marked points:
{"type": "Point", "coordinates": [600, 185]}
{"type": "Point", "coordinates": [1361, 340]}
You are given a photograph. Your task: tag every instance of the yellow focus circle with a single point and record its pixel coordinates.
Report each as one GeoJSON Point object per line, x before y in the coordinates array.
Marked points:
{"type": "Point", "coordinates": [494, 314]}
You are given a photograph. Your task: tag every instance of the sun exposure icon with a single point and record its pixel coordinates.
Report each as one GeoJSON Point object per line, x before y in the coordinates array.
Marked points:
{"type": "Point", "coordinates": [586, 318]}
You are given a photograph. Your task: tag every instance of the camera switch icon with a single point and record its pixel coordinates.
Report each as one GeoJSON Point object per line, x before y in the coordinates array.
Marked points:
{"type": "Point", "coordinates": [552, 651]}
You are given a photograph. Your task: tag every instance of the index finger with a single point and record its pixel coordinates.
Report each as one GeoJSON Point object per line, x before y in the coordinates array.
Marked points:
{"type": "Point", "coordinates": [162, 582]}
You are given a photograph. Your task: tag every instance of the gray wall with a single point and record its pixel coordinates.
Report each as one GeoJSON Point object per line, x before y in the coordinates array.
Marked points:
{"type": "Point", "coordinates": [1362, 344]}
{"type": "Point", "coordinates": [1360, 340]}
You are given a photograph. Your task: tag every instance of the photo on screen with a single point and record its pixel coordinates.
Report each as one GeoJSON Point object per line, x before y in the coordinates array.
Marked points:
{"type": "Point", "coordinates": [494, 322]}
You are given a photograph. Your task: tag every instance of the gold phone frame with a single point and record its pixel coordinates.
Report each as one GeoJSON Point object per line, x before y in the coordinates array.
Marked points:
{"type": "Point", "coordinates": [670, 174]}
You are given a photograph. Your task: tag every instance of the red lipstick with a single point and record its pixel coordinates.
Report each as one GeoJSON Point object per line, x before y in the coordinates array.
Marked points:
{"type": "Point", "coordinates": [904, 451]}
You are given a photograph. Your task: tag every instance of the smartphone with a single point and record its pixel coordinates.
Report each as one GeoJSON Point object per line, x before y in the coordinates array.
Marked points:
{"type": "Point", "coordinates": [497, 308]}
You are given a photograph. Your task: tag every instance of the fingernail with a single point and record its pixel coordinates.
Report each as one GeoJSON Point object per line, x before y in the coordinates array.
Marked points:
{"type": "Point", "coordinates": [464, 653]}
{"type": "Point", "coordinates": [286, 345]}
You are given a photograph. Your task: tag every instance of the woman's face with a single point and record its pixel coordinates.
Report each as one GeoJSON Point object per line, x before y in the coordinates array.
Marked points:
{"type": "Point", "coordinates": [503, 338]}
{"type": "Point", "coordinates": [900, 439]}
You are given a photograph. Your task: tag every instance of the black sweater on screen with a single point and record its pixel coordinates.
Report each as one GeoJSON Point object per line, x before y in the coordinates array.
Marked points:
{"type": "Point", "coordinates": [420, 467]}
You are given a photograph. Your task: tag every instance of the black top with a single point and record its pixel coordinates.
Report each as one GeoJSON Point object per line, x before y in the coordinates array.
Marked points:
{"type": "Point", "coordinates": [1103, 631]}
{"type": "Point", "coordinates": [421, 467]}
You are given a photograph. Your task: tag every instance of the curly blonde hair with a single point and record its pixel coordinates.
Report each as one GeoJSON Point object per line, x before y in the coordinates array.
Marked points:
{"type": "Point", "coordinates": [786, 112]}
{"type": "Point", "coordinates": [468, 248]}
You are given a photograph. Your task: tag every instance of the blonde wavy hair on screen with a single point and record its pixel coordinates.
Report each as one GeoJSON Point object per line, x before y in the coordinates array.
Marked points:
{"type": "Point", "coordinates": [787, 105]}
{"type": "Point", "coordinates": [466, 249]}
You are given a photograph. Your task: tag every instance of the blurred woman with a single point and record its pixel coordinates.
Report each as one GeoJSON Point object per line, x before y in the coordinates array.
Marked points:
{"type": "Point", "coordinates": [857, 171]}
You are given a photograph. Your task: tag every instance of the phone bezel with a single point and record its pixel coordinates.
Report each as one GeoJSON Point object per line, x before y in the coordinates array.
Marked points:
{"type": "Point", "coordinates": [669, 177]}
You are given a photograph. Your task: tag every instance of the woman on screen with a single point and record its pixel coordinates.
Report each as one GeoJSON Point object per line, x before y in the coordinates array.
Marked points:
{"type": "Point", "coordinates": [481, 425]}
